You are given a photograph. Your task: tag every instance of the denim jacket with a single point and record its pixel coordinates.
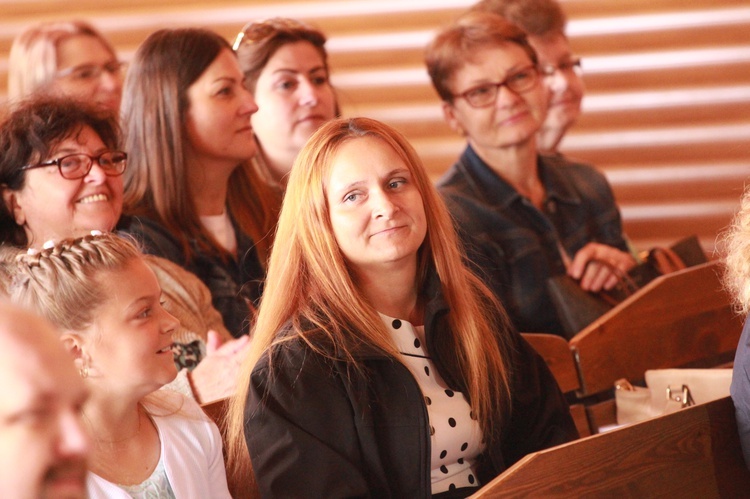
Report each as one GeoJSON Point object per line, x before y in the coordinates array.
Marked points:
{"type": "Point", "coordinates": [235, 284]}
{"type": "Point", "coordinates": [516, 247]}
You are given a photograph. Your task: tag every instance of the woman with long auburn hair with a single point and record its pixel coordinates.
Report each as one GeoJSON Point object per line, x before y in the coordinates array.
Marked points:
{"type": "Point", "coordinates": [199, 201]}
{"type": "Point", "coordinates": [375, 344]}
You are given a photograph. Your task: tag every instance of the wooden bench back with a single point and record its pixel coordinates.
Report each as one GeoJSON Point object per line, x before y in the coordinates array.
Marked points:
{"type": "Point", "coordinates": [691, 453]}
{"type": "Point", "coordinates": [559, 357]}
{"type": "Point", "coordinates": [680, 319]}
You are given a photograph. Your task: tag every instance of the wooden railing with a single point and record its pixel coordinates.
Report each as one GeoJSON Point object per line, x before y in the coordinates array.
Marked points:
{"type": "Point", "coordinates": [667, 112]}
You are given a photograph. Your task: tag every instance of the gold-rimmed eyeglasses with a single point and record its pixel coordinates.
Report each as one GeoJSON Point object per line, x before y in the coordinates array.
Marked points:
{"type": "Point", "coordinates": [89, 72]}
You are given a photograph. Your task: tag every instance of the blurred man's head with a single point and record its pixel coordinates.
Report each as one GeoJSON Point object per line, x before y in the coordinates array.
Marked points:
{"type": "Point", "coordinates": [43, 446]}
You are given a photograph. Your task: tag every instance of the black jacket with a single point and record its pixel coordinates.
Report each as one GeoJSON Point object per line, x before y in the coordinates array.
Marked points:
{"type": "Point", "coordinates": [315, 429]}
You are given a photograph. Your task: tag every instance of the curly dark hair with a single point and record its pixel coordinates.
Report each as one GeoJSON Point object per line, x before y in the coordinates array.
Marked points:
{"type": "Point", "coordinates": [29, 132]}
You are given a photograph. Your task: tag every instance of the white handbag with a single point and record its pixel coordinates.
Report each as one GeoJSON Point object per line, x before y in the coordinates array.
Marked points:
{"type": "Point", "coordinates": [669, 390]}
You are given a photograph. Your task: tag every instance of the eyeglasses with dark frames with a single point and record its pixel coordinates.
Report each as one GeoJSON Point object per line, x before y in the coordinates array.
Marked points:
{"type": "Point", "coordinates": [485, 95]}
{"type": "Point", "coordinates": [75, 166]}
{"type": "Point", "coordinates": [571, 66]}
{"type": "Point", "coordinates": [257, 31]}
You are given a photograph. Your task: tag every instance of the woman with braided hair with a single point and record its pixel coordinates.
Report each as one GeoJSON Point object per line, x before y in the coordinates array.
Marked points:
{"type": "Point", "coordinates": [106, 302]}
{"type": "Point", "coordinates": [61, 177]}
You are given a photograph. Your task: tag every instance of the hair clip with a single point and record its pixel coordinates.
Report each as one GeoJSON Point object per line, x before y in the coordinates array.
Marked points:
{"type": "Point", "coordinates": [96, 232]}
{"type": "Point", "coordinates": [49, 244]}
{"type": "Point", "coordinates": [32, 251]}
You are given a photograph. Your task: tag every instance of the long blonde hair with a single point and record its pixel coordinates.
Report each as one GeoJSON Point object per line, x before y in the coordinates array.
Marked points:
{"type": "Point", "coordinates": [737, 246]}
{"type": "Point", "coordinates": [309, 284]}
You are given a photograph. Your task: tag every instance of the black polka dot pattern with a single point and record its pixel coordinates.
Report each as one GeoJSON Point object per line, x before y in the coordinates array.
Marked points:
{"type": "Point", "coordinates": [450, 420]}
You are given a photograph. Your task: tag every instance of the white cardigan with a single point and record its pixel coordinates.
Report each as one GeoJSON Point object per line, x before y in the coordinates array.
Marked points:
{"type": "Point", "coordinates": [191, 448]}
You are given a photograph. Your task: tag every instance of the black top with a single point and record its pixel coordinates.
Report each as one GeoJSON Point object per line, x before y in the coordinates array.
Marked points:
{"type": "Point", "coordinates": [314, 428]}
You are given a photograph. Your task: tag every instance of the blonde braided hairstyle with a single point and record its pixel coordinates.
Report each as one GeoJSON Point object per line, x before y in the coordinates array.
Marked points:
{"type": "Point", "coordinates": [63, 282]}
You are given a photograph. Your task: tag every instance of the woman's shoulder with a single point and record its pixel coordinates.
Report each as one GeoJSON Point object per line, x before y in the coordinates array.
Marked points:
{"type": "Point", "coordinates": [167, 403]}
{"type": "Point", "coordinates": [298, 351]}
{"type": "Point", "coordinates": [151, 236]}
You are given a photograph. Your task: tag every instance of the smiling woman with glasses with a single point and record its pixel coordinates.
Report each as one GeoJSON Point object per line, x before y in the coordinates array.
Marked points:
{"type": "Point", "coordinates": [61, 177]}
{"type": "Point", "coordinates": [525, 216]}
{"type": "Point", "coordinates": [66, 59]}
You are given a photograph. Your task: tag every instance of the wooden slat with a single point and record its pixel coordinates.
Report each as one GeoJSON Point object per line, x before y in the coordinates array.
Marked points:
{"type": "Point", "coordinates": [667, 84]}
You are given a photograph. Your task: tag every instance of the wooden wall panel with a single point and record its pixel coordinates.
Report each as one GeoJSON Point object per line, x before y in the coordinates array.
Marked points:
{"type": "Point", "coordinates": [667, 113]}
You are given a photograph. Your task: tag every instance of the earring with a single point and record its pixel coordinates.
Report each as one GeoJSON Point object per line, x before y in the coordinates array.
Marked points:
{"type": "Point", "coordinates": [83, 372]}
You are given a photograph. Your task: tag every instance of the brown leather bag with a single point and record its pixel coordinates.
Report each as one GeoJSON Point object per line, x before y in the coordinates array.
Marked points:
{"type": "Point", "coordinates": [577, 308]}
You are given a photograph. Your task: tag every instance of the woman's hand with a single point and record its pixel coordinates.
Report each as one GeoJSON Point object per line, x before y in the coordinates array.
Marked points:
{"type": "Point", "coordinates": [215, 377]}
{"type": "Point", "coordinates": [593, 275]}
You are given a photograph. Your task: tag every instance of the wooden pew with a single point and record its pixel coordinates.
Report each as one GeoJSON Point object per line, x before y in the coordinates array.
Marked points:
{"type": "Point", "coordinates": [691, 453]}
{"type": "Point", "coordinates": [556, 352]}
{"type": "Point", "coordinates": [678, 320]}
{"type": "Point", "coordinates": [242, 487]}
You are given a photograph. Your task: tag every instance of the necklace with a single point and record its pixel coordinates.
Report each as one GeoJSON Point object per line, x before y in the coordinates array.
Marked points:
{"type": "Point", "coordinates": [100, 441]}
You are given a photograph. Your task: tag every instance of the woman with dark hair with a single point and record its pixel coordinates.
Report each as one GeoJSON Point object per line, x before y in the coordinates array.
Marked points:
{"type": "Point", "coordinates": [381, 366]}
{"type": "Point", "coordinates": [286, 68]}
{"type": "Point", "coordinates": [61, 177]}
{"type": "Point", "coordinates": [197, 198]}
{"type": "Point", "coordinates": [525, 216]}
